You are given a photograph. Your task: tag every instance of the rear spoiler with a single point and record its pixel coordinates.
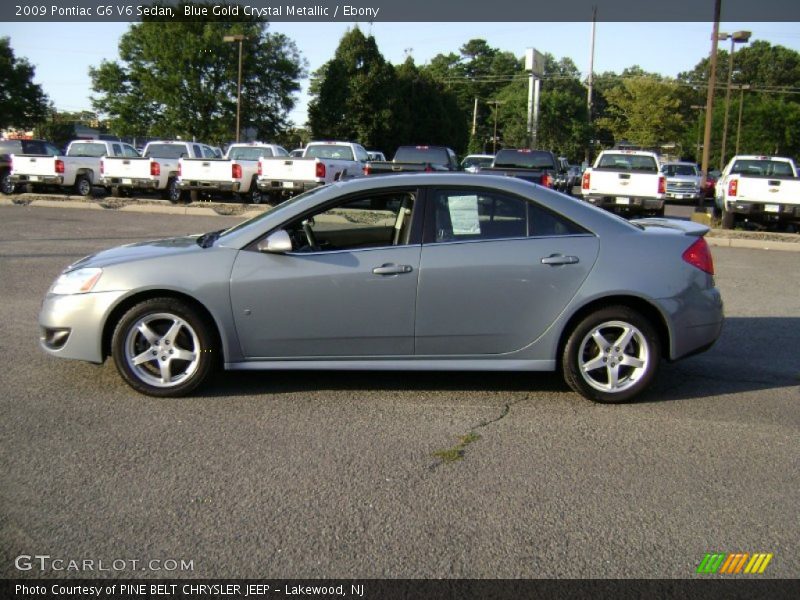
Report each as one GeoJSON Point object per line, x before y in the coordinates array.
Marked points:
{"type": "Point", "coordinates": [687, 227]}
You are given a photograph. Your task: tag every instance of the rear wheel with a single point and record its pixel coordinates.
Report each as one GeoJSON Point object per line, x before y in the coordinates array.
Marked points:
{"type": "Point", "coordinates": [173, 192]}
{"type": "Point", "coordinates": [6, 186]}
{"type": "Point", "coordinates": [728, 219]}
{"type": "Point", "coordinates": [164, 347]}
{"type": "Point", "coordinates": [255, 196]}
{"type": "Point", "coordinates": [83, 186]}
{"type": "Point", "coordinates": [612, 355]}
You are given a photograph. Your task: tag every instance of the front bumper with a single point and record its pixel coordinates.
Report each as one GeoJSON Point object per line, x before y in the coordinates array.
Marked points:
{"type": "Point", "coordinates": [72, 325]}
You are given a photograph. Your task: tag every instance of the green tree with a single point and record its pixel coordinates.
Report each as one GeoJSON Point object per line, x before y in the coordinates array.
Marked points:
{"type": "Point", "coordinates": [188, 86]}
{"type": "Point", "coordinates": [22, 102]}
{"type": "Point", "coordinates": [353, 94]}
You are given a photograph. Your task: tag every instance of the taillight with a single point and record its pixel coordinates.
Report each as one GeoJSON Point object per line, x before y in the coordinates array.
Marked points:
{"type": "Point", "coordinates": [662, 185]}
{"type": "Point", "coordinates": [155, 169]}
{"type": "Point", "coordinates": [180, 169]}
{"type": "Point", "coordinates": [698, 255]}
{"type": "Point", "coordinates": [585, 181]}
{"type": "Point", "coordinates": [102, 166]}
{"type": "Point", "coordinates": [320, 172]}
{"type": "Point", "coordinates": [59, 166]}
{"type": "Point", "coordinates": [259, 168]}
{"type": "Point", "coordinates": [547, 180]}
{"type": "Point", "coordinates": [367, 169]}
{"type": "Point", "coordinates": [428, 169]}
{"type": "Point", "coordinates": [236, 171]}
{"type": "Point", "coordinates": [733, 187]}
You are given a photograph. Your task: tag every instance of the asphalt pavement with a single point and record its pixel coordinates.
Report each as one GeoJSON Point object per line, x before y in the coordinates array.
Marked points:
{"type": "Point", "coordinates": [306, 475]}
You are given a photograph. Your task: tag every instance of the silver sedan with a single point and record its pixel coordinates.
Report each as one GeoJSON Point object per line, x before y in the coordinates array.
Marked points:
{"type": "Point", "coordinates": [413, 272]}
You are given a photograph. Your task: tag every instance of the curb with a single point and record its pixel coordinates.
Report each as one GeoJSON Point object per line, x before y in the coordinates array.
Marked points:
{"type": "Point", "coordinates": [717, 237]}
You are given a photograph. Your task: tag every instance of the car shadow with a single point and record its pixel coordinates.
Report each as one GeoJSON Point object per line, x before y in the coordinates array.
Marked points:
{"type": "Point", "coordinates": [752, 354]}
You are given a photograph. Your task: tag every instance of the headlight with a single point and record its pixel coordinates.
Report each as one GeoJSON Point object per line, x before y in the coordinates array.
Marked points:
{"type": "Point", "coordinates": [78, 281]}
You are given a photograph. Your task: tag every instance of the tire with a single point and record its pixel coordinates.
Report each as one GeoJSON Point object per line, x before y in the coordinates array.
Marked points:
{"type": "Point", "coordinates": [157, 332]}
{"type": "Point", "coordinates": [173, 193]}
{"type": "Point", "coordinates": [255, 196]}
{"type": "Point", "coordinates": [83, 186]}
{"type": "Point", "coordinates": [728, 219]}
{"type": "Point", "coordinates": [588, 363]}
{"type": "Point", "coordinates": [6, 187]}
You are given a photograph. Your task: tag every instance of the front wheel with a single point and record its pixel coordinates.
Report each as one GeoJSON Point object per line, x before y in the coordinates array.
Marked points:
{"type": "Point", "coordinates": [612, 355]}
{"type": "Point", "coordinates": [163, 347]}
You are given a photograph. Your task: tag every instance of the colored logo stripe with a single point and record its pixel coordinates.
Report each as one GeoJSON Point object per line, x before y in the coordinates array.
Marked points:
{"type": "Point", "coordinates": [733, 563]}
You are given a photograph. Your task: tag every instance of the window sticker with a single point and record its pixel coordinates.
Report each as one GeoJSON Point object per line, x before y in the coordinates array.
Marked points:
{"type": "Point", "coordinates": [464, 215]}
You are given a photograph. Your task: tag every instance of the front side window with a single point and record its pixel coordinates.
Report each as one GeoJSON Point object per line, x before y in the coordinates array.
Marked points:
{"type": "Point", "coordinates": [473, 215]}
{"type": "Point", "coordinates": [373, 221]}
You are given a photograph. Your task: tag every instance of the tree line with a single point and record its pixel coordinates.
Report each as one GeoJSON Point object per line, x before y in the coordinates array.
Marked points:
{"type": "Point", "coordinates": [180, 79]}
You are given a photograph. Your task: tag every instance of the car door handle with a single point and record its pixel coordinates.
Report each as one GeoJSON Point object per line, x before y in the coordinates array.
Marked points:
{"type": "Point", "coordinates": [559, 259]}
{"type": "Point", "coordinates": [389, 269]}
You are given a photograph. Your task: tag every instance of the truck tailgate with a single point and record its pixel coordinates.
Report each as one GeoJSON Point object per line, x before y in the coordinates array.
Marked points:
{"type": "Point", "coordinates": [127, 168]}
{"type": "Point", "coordinates": [289, 169]}
{"type": "Point", "coordinates": [616, 183]}
{"type": "Point", "coordinates": [33, 166]}
{"type": "Point", "coordinates": [771, 191]}
{"type": "Point", "coordinates": [204, 169]}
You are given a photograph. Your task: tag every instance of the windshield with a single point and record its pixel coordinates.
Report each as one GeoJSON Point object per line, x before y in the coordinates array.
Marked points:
{"type": "Point", "coordinates": [628, 162]}
{"type": "Point", "coordinates": [330, 151]}
{"type": "Point", "coordinates": [165, 151]}
{"type": "Point", "coordinates": [673, 170]}
{"type": "Point", "coordinates": [524, 159]}
{"type": "Point", "coordinates": [249, 152]}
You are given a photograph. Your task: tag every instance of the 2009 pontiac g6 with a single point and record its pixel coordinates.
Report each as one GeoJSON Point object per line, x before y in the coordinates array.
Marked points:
{"type": "Point", "coordinates": [414, 272]}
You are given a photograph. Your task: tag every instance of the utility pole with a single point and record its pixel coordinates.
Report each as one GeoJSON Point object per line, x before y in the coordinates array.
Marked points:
{"type": "Point", "coordinates": [475, 117]}
{"type": "Point", "coordinates": [588, 155]}
{"type": "Point", "coordinates": [712, 81]}
{"type": "Point", "coordinates": [237, 38]}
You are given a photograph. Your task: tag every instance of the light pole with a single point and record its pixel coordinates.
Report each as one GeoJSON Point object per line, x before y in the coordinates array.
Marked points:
{"type": "Point", "coordinates": [742, 88]}
{"type": "Point", "coordinates": [237, 38]}
{"type": "Point", "coordinates": [699, 117]}
{"type": "Point", "coordinates": [496, 103]}
{"type": "Point", "coordinates": [712, 80]}
{"type": "Point", "coordinates": [736, 37]}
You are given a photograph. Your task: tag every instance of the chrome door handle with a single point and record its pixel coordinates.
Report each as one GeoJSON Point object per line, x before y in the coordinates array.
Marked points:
{"type": "Point", "coordinates": [559, 259]}
{"type": "Point", "coordinates": [389, 269]}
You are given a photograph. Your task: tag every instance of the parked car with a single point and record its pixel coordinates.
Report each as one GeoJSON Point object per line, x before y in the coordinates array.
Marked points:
{"type": "Point", "coordinates": [438, 271]}
{"type": "Point", "coordinates": [472, 163]}
{"type": "Point", "coordinates": [683, 181]}
{"type": "Point", "coordinates": [237, 173]}
{"type": "Point", "coordinates": [762, 190]}
{"type": "Point", "coordinates": [156, 170]}
{"type": "Point", "coordinates": [413, 159]}
{"type": "Point", "coordinates": [77, 169]}
{"type": "Point", "coordinates": [626, 182]}
{"type": "Point", "coordinates": [536, 166]}
{"type": "Point", "coordinates": [9, 147]}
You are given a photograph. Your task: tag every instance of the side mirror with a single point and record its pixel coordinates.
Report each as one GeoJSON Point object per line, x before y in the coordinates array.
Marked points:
{"type": "Point", "coordinates": [277, 242]}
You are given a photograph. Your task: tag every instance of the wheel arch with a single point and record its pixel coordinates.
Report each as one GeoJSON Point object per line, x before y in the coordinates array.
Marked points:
{"type": "Point", "coordinates": [129, 302]}
{"type": "Point", "coordinates": [646, 308]}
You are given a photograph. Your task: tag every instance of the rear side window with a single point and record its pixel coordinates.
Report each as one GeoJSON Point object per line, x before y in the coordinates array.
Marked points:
{"type": "Point", "coordinates": [472, 215]}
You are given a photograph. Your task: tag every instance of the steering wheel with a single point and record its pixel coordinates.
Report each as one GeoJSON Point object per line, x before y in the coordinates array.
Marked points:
{"type": "Point", "coordinates": [310, 237]}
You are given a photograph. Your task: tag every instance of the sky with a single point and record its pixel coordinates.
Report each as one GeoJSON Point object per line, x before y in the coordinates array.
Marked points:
{"type": "Point", "coordinates": [63, 52]}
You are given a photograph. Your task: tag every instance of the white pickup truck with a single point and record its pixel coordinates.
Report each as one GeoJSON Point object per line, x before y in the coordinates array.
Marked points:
{"type": "Point", "coordinates": [236, 173]}
{"type": "Point", "coordinates": [79, 169]}
{"type": "Point", "coordinates": [156, 170]}
{"type": "Point", "coordinates": [321, 163]}
{"type": "Point", "coordinates": [763, 190]}
{"type": "Point", "coordinates": [625, 182]}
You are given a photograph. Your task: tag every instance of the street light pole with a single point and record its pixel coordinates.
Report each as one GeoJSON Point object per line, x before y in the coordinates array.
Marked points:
{"type": "Point", "coordinates": [237, 38]}
{"type": "Point", "coordinates": [712, 80]}
{"type": "Point", "coordinates": [699, 117]}
{"type": "Point", "coordinates": [740, 37]}
{"type": "Point", "coordinates": [742, 88]}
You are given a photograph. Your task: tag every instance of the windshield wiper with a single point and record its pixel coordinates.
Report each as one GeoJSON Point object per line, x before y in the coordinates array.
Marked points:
{"type": "Point", "coordinates": [207, 239]}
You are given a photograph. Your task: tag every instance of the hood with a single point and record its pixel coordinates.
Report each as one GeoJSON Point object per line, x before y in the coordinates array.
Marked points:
{"type": "Point", "coordinates": [140, 251]}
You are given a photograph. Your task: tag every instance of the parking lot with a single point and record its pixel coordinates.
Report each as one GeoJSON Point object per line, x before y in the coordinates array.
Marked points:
{"type": "Point", "coordinates": [301, 475]}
